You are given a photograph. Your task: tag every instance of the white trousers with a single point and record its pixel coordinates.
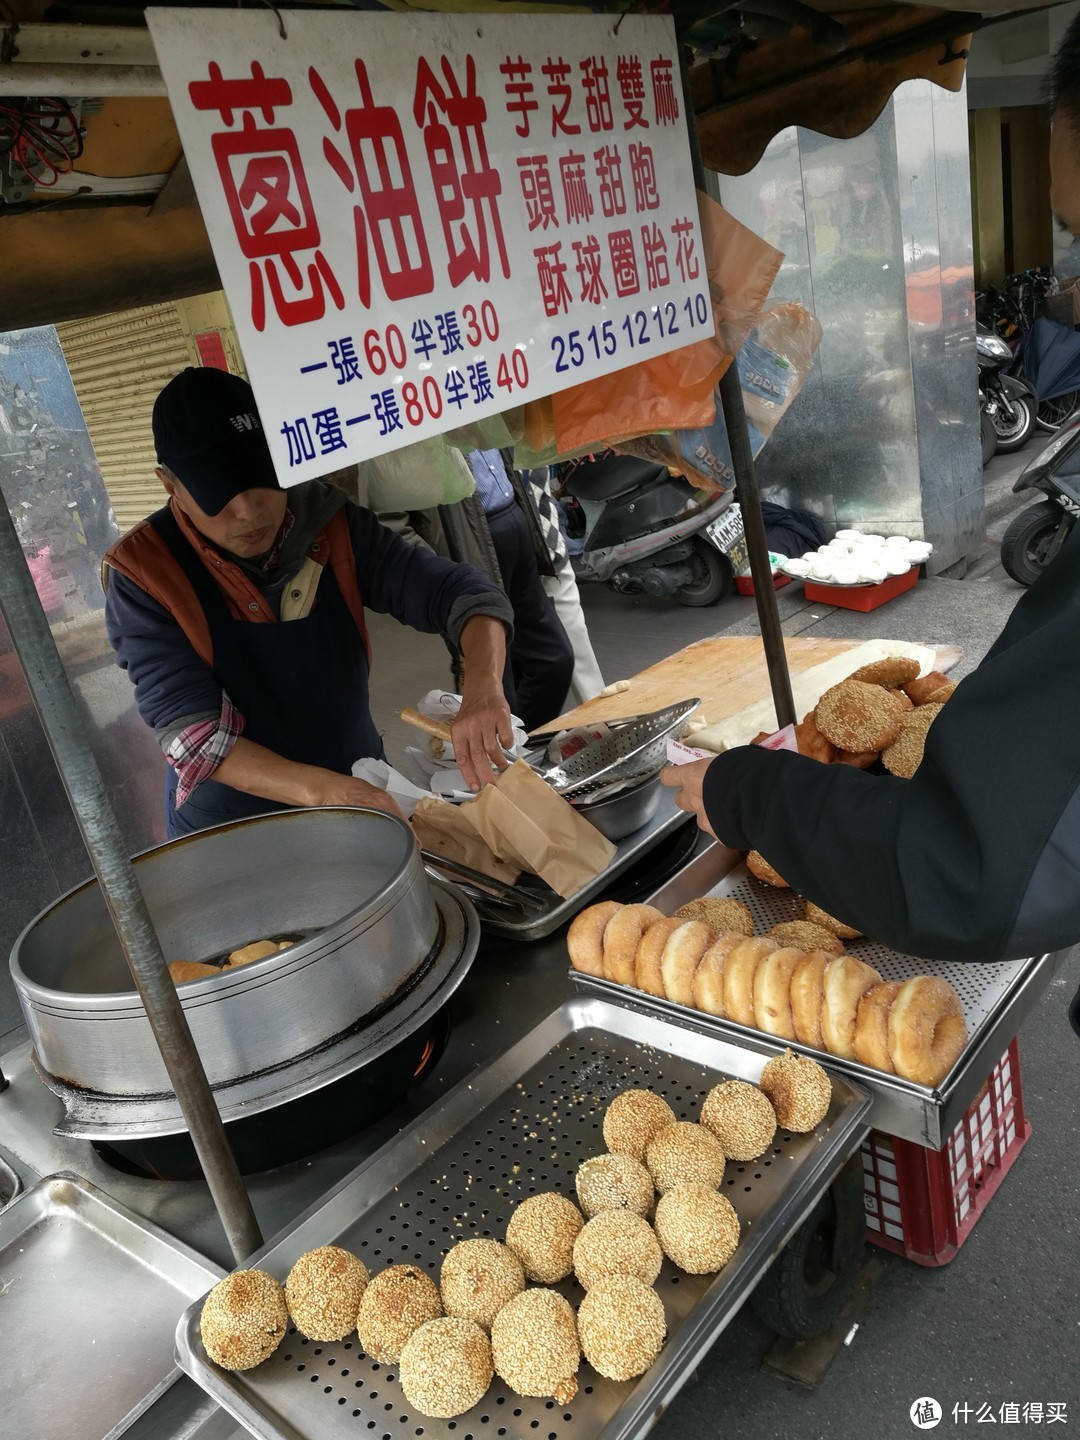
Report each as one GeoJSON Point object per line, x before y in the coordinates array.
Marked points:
{"type": "Point", "coordinates": [586, 680]}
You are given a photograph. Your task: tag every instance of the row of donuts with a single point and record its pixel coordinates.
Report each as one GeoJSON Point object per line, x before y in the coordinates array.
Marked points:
{"type": "Point", "coordinates": [818, 997]}
{"type": "Point", "coordinates": [449, 1339]}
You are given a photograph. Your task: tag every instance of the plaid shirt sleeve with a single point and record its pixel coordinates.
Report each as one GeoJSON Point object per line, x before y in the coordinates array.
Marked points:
{"type": "Point", "coordinates": [196, 752]}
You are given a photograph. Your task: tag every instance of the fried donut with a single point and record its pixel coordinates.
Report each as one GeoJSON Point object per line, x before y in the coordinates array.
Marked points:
{"type": "Point", "coordinates": [922, 687]}
{"type": "Point", "coordinates": [804, 935]}
{"type": "Point", "coordinates": [846, 982]}
{"type": "Point", "coordinates": [807, 997]}
{"type": "Point", "coordinates": [760, 867]}
{"type": "Point", "coordinates": [927, 1033]}
{"type": "Point", "coordinates": [682, 955]}
{"type": "Point", "coordinates": [585, 938]}
{"type": "Point", "coordinates": [622, 936]}
{"type": "Point", "coordinates": [904, 701]}
{"type": "Point", "coordinates": [939, 696]}
{"type": "Point", "coordinates": [650, 952]}
{"type": "Point", "coordinates": [856, 716]}
{"type": "Point", "coordinates": [772, 992]}
{"type": "Point", "coordinates": [709, 975]}
{"type": "Point", "coordinates": [181, 970]}
{"type": "Point", "coordinates": [739, 979]}
{"type": "Point", "coordinates": [719, 911]}
{"type": "Point", "coordinates": [817, 916]}
{"type": "Point", "coordinates": [904, 756]}
{"type": "Point", "coordinates": [872, 1026]}
{"type": "Point", "coordinates": [860, 759]}
{"type": "Point", "coordinates": [811, 742]}
{"type": "Point", "coordinates": [893, 671]}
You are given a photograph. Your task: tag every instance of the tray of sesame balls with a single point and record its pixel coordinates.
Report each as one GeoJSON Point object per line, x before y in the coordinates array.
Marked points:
{"type": "Point", "coordinates": [548, 1252]}
{"type": "Point", "coordinates": [727, 946]}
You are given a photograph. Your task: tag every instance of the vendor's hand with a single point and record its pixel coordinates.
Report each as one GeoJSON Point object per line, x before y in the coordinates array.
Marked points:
{"type": "Point", "coordinates": [687, 782]}
{"type": "Point", "coordinates": [331, 788]}
{"type": "Point", "coordinates": [480, 730]}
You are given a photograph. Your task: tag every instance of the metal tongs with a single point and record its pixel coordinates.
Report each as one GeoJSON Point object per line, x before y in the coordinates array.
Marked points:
{"type": "Point", "coordinates": [484, 888]}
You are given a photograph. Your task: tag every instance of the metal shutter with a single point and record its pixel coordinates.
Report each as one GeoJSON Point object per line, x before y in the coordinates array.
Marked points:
{"type": "Point", "coordinates": [118, 364]}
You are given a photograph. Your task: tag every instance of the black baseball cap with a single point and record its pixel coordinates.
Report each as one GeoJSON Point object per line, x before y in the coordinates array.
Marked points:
{"type": "Point", "coordinates": [207, 431]}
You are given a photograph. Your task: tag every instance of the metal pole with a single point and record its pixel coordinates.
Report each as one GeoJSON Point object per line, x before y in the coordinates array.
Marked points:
{"type": "Point", "coordinates": [56, 708]}
{"type": "Point", "coordinates": [746, 490]}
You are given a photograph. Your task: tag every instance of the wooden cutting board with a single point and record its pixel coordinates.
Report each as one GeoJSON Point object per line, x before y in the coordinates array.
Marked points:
{"type": "Point", "coordinates": [727, 673]}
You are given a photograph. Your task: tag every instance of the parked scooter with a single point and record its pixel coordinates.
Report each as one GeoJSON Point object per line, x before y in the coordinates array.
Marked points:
{"type": "Point", "coordinates": [637, 527]}
{"type": "Point", "coordinates": [1036, 535]}
{"type": "Point", "coordinates": [1009, 401]}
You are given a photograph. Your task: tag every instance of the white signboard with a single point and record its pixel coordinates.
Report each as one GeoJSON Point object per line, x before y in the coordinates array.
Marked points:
{"type": "Point", "coordinates": [421, 220]}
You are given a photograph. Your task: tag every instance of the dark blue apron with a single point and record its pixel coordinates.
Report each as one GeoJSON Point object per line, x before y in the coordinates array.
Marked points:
{"type": "Point", "coordinates": [301, 685]}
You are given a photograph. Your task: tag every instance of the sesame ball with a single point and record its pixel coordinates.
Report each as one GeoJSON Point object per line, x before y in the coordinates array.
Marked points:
{"type": "Point", "coordinates": [798, 1089]}
{"type": "Point", "coordinates": [740, 1117]}
{"type": "Point", "coordinates": [541, 1233]}
{"type": "Point", "coordinates": [614, 1182]}
{"type": "Point", "coordinates": [243, 1319]}
{"type": "Point", "coordinates": [684, 1151]}
{"type": "Point", "coordinates": [534, 1341]}
{"type": "Point", "coordinates": [622, 1326]}
{"type": "Point", "coordinates": [617, 1242]}
{"type": "Point", "coordinates": [323, 1292]}
{"type": "Point", "coordinates": [446, 1367]}
{"type": "Point", "coordinates": [478, 1278]}
{"type": "Point", "coordinates": [632, 1119]}
{"type": "Point", "coordinates": [697, 1228]}
{"type": "Point", "coordinates": [396, 1302]}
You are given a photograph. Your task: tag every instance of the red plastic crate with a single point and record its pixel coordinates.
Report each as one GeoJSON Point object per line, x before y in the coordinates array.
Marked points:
{"type": "Point", "coordinates": [862, 597]}
{"type": "Point", "coordinates": [922, 1203]}
{"type": "Point", "coordinates": [744, 584]}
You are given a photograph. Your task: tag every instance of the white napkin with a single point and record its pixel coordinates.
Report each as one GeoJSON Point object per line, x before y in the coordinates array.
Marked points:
{"type": "Point", "coordinates": [385, 777]}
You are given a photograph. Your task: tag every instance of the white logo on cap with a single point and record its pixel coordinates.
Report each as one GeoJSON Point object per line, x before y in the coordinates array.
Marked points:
{"type": "Point", "coordinates": [244, 422]}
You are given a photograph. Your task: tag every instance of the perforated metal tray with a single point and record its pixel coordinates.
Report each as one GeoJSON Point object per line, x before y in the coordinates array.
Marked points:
{"type": "Point", "coordinates": [995, 997]}
{"type": "Point", "coordinates": [522, 1125]}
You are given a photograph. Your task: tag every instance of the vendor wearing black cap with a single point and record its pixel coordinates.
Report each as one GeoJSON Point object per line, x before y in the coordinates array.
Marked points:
{"type": "Point", "coordinates": [238, 612]}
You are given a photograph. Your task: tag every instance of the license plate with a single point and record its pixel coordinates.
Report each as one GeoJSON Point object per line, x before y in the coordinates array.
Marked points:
{"type": "Point", "coordinates": [725, 530]}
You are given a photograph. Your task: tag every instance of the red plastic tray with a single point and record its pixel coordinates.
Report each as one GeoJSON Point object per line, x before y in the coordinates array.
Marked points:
{"type": "Point", "coordinates": [861, 597]}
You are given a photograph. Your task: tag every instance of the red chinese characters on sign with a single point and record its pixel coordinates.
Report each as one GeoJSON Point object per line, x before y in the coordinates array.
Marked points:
{"type": "Point", "coordinates": [551, 272]}
{"type": "Point", "coordinates": [631, 83]}
{"type": "Point", "coordinates": [461, 172]}
{"type": "Point", "coordinates": [664, 99]}
{"type": "Point", "coordinates": [593, 289]}
{"type": "Point", "coordinates": [597, 94]}
{"type": "Point", "coordinates": [267, 193]}
{"type": "Point", "coordinates": [609, 173]}
{"type": "Point", "coordinates": [519, 89]}
{"type": "Point", "coordinates": [624, 263]}
{"type": "Point", "coordinates": [685, 249]}
{"type": "Point", "coordinates": [562, 95]}
{"type": "Point", "coordinates": [388, 220]}
{"type": "Point", "coordinates": [536, 190]}
{"type": "Point", "coordinates": [643, 174]}
{"type": "Point", "coordinates": [576, 195]}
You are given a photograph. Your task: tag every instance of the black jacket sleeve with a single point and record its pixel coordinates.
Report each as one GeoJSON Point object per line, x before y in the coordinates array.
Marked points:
{"type": "Point", "coordinates": [978, 856]}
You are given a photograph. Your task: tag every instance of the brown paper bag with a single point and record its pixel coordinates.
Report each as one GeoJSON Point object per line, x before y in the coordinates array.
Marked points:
{"type": "Point", "coordinates": [450, 831]}
{"type": "Point", "coordinates": [521, 824]}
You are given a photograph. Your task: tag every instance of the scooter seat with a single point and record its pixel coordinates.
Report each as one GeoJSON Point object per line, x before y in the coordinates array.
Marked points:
{"type": "Point", "coordinates": [611, 476]}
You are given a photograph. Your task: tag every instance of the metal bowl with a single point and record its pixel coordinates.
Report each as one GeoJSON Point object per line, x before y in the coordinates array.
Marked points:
{"type": "Point", "coordinates": [378, 944]}
{"type": "Point", "coordinates": [626, 811]}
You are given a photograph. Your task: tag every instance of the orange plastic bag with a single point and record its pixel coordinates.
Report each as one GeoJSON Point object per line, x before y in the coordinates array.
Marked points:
{"type": "Point", "coordinates": [676, 390]}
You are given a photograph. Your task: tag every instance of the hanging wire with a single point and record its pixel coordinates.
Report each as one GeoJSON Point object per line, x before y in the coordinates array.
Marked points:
{"type": "Point", "coordinates": [43, 135]}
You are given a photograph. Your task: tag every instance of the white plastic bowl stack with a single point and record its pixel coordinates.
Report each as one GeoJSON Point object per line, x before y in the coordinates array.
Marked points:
{"type": "Point", "coordinates": [852, 558]}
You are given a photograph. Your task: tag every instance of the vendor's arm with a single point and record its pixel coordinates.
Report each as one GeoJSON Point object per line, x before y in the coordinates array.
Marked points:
{"type": "Point", "coordinates": [259, 771]}
{"type": "Point", "coordinates": [482, 727]}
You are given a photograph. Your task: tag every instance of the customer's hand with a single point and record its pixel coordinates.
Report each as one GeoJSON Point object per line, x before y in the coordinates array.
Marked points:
{"type": "Point", "coordinates": [687, 782]}
{"type": "Point", "coordinates": [479, 732]}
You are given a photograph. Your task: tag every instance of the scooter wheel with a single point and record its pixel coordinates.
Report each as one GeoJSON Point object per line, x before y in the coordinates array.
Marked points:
{"type": "Point", "coordinates": [989, 437]}
{"type": "Point", "coordinates": [1052, 414]}
{"type": "Point", "coordinates": [713, 576]}
{"type": "Point", "coordinates": [1014, 424]}
{"type": "Point", "coordinates": [1026, 544]}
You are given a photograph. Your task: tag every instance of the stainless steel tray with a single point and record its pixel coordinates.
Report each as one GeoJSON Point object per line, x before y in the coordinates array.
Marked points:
{"type": "Point", "coordinates": [88, 1300]}
{"type": "Point", "coordinates": [996, 997]}
{"type": "Point", "coordinates": [534, 925]}
{"type": "Point", "coordinates": [521, 1125]}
